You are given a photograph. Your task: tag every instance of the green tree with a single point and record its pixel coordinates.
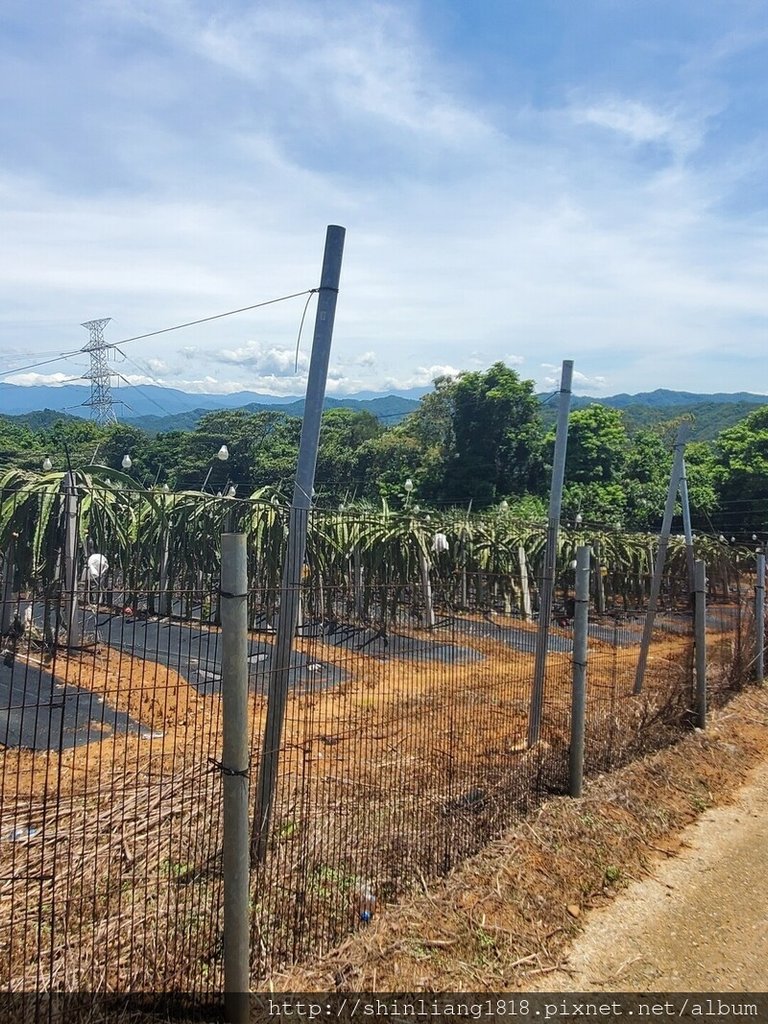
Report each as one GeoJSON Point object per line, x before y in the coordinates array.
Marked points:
{"type": "Point", "coordinates": [597, 445]}
{"type": "Point", "coordinates": [78, 436]}
{"type": "Point", "coordinates": [493, 446]}
{"type": "Point", "coordinates": [741, 473]}
{"type": "Point", "coordinates": [120, 440]}
{"type": "Point", "coordinates": [342, 432]}
{"type": "Point", "coordinates": [431, 426]}
{"type": "Point", "coordinates": [384, 463]}
{"type": "Point", "coordinates": [18, 445]}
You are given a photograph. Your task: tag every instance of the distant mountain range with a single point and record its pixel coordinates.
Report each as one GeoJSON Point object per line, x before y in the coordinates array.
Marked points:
{"type": "Point", "coordinates": [662, 397]}
{"type": "Point", "coordinates": [711, 413]}
{"type": "Point", "coordinates": [152, 400]}
{"type": "Point", "coordinates": [390, 409]}
{"type": "Point", "coordinates": [157, 409]}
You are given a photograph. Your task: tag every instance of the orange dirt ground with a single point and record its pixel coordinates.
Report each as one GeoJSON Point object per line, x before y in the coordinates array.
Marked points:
{"type": "Point", "coordinates": [408, 734]}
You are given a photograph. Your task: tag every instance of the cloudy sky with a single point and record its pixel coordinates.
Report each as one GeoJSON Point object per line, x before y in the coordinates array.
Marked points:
{"type": "Point", "coordinates": [526, 180]}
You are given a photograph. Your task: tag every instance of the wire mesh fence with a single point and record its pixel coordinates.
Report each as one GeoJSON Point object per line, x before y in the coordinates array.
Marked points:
{"type": "Point", "coordinates": [404, 746]}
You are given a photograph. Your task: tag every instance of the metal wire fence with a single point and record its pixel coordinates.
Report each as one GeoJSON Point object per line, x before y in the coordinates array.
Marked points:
{"type": "Point", "coordinates": [404, 747]}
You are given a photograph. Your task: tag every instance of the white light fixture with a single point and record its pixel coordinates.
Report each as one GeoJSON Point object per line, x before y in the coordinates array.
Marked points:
{"type": "Point", "coordinates": [232, 491]}
{"type": "Point", "coordinates": [166, 488]}
{"type": "Point", "coordinates": [47, 465]}
{"type": "Point", "coordinates": [408, 485]}
{"type": "Point", "coordinates": [223, 453]}
{"type": "Point", "coordinates": [574, 563]}
{"type": "Point", "coordinates": [504, 506]}
{"type": "Point", "coordinates": [127, 462]}
{"type": "Point", "coordinates": [579, 519]}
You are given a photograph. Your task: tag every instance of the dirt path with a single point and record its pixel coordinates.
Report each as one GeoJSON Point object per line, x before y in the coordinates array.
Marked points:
{"type": "Point", "coordinates": [700, 923]}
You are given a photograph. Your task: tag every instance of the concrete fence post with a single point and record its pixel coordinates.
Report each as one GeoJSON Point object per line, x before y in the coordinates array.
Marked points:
{"type": "Point", "coordinates": [579, 700]}
{"type": "Point", "coordinates": [700, 641]}
{"type": "Point", "coordinates": [234, 769]}
{"type": "Point", "coordinates": [760, 621]}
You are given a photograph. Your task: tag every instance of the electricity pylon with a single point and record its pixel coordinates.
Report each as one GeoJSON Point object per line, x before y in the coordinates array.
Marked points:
{"type": "Point", "coordinates": [102, 409]}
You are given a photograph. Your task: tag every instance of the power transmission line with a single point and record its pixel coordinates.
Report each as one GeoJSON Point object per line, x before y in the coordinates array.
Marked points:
{"type": "Point", "coordinates": [164, 330]}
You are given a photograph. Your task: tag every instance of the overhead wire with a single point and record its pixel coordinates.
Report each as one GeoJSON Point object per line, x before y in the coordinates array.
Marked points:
{"type": "Point", "coordinates": [208, 319]}
{"type": "Point", "coordinates": [42, 362]}
{"type": "Point", "coordinates": [138, 387]}
{"type": "Point", "coordinates": [163, 330]}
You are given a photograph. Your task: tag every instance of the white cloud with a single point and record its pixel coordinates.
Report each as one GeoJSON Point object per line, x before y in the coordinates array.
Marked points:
{"type": "Point", "coordinates": [636, 121]}
{"type": "Point", "coordinates": [596, 383]}
{"type": "Point", "coordinates": [422, 378]}
{"type": "Point", "coordinates": [263, 360]}
{"type": "Point", "coordinates": [34, 379]}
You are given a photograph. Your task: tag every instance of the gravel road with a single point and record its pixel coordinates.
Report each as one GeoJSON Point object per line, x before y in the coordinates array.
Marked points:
{"type": "Point", "coordinates": [699, 924]}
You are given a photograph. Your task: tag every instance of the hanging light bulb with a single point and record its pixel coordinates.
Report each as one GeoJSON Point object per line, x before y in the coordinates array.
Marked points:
{"type": "Point", "coordinates": [408, 485]}
{"type": "Point", "coordinates": [223, 453]}
{"type": "Point", "coordinates": [579, 519]}
{"type": "Point", "coordinates": [232, 491]}
{"type": "Point", "coordinates": [127, 462]}
{"type": "Point", "coordinates": [166, 488]}
{"type": "Point", "coordinates": [47, 465]}
{"type": "Point", "coordinates": [504, 506]}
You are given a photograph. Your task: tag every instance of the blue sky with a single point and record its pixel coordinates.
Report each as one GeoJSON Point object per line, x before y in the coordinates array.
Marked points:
{"type": "Point", "coordinates": [526, 180]}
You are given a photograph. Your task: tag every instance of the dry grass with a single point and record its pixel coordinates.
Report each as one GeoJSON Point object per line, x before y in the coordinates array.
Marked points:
{"type": "Point", "coordinates": [506, 916]}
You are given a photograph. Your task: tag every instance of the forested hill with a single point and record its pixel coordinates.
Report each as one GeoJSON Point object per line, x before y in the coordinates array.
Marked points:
{"type": "Point", "coordinates": [159, 409]}
{"type": "Point", "coordinates": [388, 411]}
{"type": "Point", "coordinates": [710, 415]}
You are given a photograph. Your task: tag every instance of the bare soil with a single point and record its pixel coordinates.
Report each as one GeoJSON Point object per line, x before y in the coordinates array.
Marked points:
{"type": "Point", "coordinates": [124, 832]}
